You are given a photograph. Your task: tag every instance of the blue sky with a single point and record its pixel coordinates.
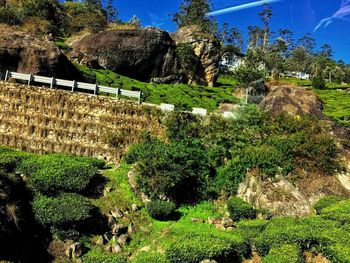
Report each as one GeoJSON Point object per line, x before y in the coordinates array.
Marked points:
{"type": "Point", "coordinates": [300, 16]}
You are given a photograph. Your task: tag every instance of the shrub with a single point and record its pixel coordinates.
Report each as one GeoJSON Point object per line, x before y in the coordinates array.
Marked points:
{"type": "Point", "coordinates": [287, 253]}
{"type": "Point", "coordinates": [52, 174]}
{"type": "Point", "coordinates": [326, 201]}
{"type": "Point", "coordinates": [67, 208]}
{"type": "Point", "coordinates": [318, 82]}
{"type": "Point", "coordinates": [245, 74]}
{"type": "Point", "coordinates": [150, 258]}
{"type": "Point", "coordinates": [194, 249]}
{"type": "Point", "coordinates": [10, 159]}
{"type": "Point", "coordinates": [11, 16]}
{"type": "Point", "coordinates": [176, 171]}
{"type": "Point", "coordinates": [97, 255]}
{"type": "Point", "coordinates": [240, 209]}
{"type": "Point", "coordinates": [338, 211]}
{"type": "Point", "coordinates": [161, 210]}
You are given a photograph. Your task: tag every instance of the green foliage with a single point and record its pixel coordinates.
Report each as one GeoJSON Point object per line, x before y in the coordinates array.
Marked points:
{"type": "Point", "coordinates": [184, 97]}
{"type": "Point", "coordinates": [245, 74]}
{"type": "Point", "coordinates": [318, 82]}
{"type": "Point", "coordinates": [173, 170]}
{"type": "Point", "coordinates": [339, 211]}
{"type": "Point", "coordinates": [150, 258]}
{"type": "Point", "coordinates": [67, 208]}
{"type": "Point", "coordinates": [97, 255]}
{"type": "Point", "coordinates": [287, 253]}
{"type": "Point", "coordinates": [240, 209]}
{"type": "Point", "coordinates": [11, 16]}
{"type": "Point", "coordinates": [10, 159]}
{"type": "Point", "coordinates": [161, 210]}
{"type": "Point", "coordinates": [195, 248]}
{"type": "Point", "coordinates": [52, 174]}
{"type": "Point", "coordinates": [188, 60]}
{"type": "Point", "coordinates": [326, 202]}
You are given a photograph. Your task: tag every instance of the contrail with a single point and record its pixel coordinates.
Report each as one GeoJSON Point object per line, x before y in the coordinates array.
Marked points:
{"type": "Point", "coordinates": [241, 7]}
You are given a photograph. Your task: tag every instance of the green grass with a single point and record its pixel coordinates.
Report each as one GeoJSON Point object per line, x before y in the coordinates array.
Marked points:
{"type": "Point", "coordinates": [337, 105]}
{"type": "Point", "coordinates": [308, 83]}
{"type": "Point", "coordinates": [184, 97]}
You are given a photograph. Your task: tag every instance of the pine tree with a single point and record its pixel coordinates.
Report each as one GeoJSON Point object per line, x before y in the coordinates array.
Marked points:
{"type": "Point", "coordinates": [194, 12]}
{"type": "Point", "coordinates": [135, 21]}
{"type": "Point", "coordinates": [112, 12]}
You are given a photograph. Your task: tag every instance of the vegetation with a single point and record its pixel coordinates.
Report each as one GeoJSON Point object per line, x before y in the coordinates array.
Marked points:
{"type": "Point", "coordinates": [239, 209]}
{"type": "Point", "coordinates": [161, 210]}
{"type": "Point", "coordinates": [318, 82]}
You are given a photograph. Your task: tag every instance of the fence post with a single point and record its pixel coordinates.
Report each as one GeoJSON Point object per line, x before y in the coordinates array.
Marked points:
{"type": "Point", "coordinates": [73, 85]}
{"type": "Point", "coordinates": [140, 97]}
{"type": "Point", "coordinates": [96, 87]}
{"type": "Point", "coordinates": [117, 95]}
{"type": "Point", "coordinates": [30, 79]}
{"type": "Point", "coordinates": [52, 82]}
{"type": "Point", "coordinates": [6, 75]}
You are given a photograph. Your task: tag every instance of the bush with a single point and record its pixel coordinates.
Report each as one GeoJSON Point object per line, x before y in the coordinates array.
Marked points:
{"type": "Point", "coordinates": [240, 209]}
{"type": "Point", "coordinates": [194, 249]}
{"type": "Point", "coordinates": [326, 201]}
{"type": "Point", "coordinates": [97, 255]}
{"type": "Point", "coordinates": [286, 253]}
{"type": "Point", "coordinates": [246, 74]}
{"type": "Point", "coordinates": [175, 170]}
{"type": "Point", "coordinates": [10, 159]}
{"type": "Point", "coordinates": [67, 208]}
{"type": "Point", "coordinates": [338, 211]}
{"type": "Point", "coordinates": [161, 210]}
{"type": "Point", "coordinates": [52, 174]}
{"type": "Point", "coordinates": [150, 258]}
{"type": "Point", "coordinates": [318, 82]}
{"type": "Point", "coordinates": [11, 16]}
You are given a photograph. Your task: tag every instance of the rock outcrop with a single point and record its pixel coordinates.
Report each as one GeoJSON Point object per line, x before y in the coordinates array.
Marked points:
{"type": "Point", "coordinates": [206, 50]}
{"type": "Point", "coordinates": [27, 53]}
{"type": "Point", "coordinates": [293, 100]}
{"type": "Point", "coordinates": [142, 54]}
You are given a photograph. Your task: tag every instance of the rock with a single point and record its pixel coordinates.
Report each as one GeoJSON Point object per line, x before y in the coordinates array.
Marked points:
{"type": "Point", "coordinates": [227, 222]}
{"type": "Point", "coordinates": [27, 53]}
{"type": "Point", "coordinates": [230, 228]}
{"type": "Point", "coordinates": [135, 207]}
{"type": "Point", "coordinates": [214, 221]}
{"type": "Point", "coordinates": [131, 228]}
{"type": "Point", "coordinates": [207, 54]}
{"type": "Point", "coordinates": [117, 213]}
{"type": "Point", "coordinates": [146, 249]}
{"type": "Point", "coordinates": [111, 221]}
{"type": "Point", "coordinates": [197, 220]}
{"type": "Point", "coordinates": [107, 236]}
{"type": "Point", "coordinates": [107, 190]}
{"type": "Point", "coordinates": [123, 239]}
{"type": "Point", "coordinates": [75, 250]}
{"type": "Point", "coordinates": [113, 248]}
{"type": "Point", "coordinates": [208, 261]}
{"type": "Point", "coordinates": [119, 229]}
{"type": "Point", "coordinates": [219, 227]}
{"type": "Point", "coordinates": [142, 54]}
{"type": "Point", "coordinates": [293, 100]}
{"type": "Point", "coordinates": [100, 241]}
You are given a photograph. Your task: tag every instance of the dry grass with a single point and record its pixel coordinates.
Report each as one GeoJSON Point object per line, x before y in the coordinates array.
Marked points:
{"type": "Point", "coordinates": [44, 121]}
{"type": "Point", "coordinates": [117, 26]}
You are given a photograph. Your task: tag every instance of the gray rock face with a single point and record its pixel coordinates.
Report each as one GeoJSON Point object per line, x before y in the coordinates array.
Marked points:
{"type": "Point", "coordinates": [26, 53]}
{"type": "Point", "coordinates": [142, 54]}
{"type": "Point", "coordinates": [75, 250]}
{"type": "Point", "coordinates": [206, 50]}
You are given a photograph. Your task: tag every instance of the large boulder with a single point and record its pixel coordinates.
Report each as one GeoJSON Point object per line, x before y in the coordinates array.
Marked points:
{"type": "Point", "coordinates": [143, 54]}
{"type": "Point", "coordinates": [206, 49]}
{"type": "Point", "coordinates": [293, 100]}
{"type": "Point", "coordinates": [27, 53]}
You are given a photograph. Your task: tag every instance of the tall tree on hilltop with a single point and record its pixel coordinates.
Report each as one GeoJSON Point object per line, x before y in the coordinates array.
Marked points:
{"type": "Point", "coordinates": [266, 16]}
{"type": "Point", "coordinates": [112, 12]}
{"type": "Point", "coordinates": [194, 12]}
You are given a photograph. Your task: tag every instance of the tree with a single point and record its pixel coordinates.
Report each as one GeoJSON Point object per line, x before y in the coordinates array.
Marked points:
{"type": "Point", "coordinates": [112, 12]}
{"type": "Point", "coordinates": [134, 20]}
{"type": "Point", "coordinates": [194, 12]}
{"type": "Point", "coordinates": [266, 16]}
{"type": "Point", "coordinates": [326, 51]}
{"type": "Point", "coordinates": [308, 43]}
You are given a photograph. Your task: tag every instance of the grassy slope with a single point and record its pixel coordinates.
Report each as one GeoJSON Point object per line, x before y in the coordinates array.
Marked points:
{"type": "Point", "coordinates": [182, 96]}
{"type": "Point", "coordinates": [158, 236]}
{"type": "Point", "coordinates": [336, 100]}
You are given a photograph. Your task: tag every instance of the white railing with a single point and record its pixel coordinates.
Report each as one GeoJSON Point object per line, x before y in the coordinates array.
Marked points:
{"type": "Point", "coordinates": [74, 85]}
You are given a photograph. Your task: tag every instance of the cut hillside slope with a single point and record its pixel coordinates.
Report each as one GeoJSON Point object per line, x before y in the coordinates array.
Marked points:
{"type": "Point", "coordinates": [41, 120]}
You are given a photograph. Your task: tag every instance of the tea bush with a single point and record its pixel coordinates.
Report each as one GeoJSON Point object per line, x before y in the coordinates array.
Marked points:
{"type": "Point", "coordinates": [194, 249]}
{"type": "Point", "coordinates": [326, 202]}
{"type": "Point", "coordinates": [287, 253]}
{"type": "Point", "coordinates": [240, 209]}
{"type": "Point", "coordinates": [67, 208]}
{"type": "Point", "coordinates": [161, 210]}
{"type": "Point", "coordinates": [318, 82]}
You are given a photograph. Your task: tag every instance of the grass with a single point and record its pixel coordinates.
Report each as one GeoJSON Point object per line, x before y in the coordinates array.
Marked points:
{"type": "Point", "coordinates": [337, 105]}
{"type": "Point", "coordinates": [184, 97]}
